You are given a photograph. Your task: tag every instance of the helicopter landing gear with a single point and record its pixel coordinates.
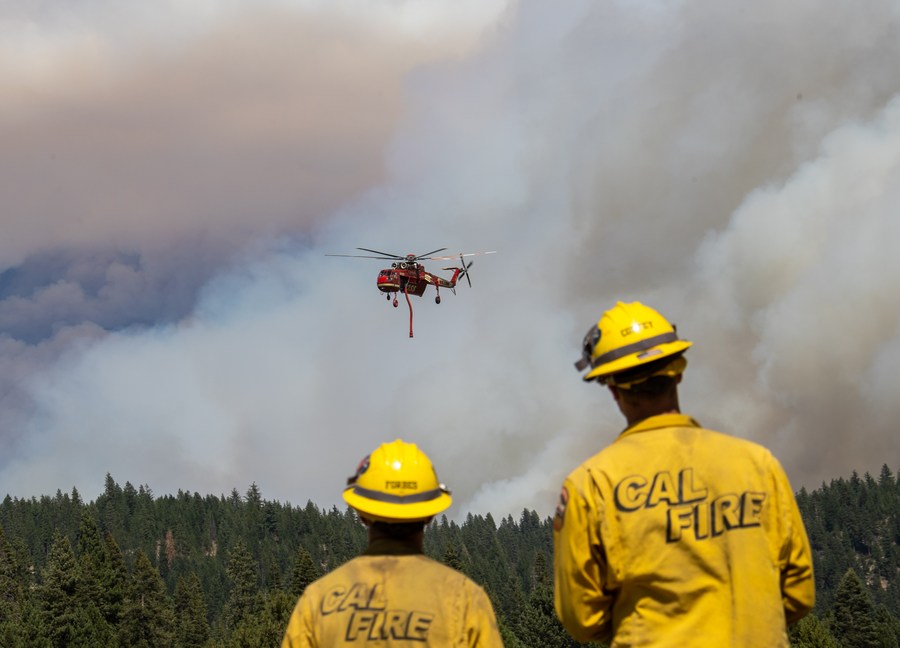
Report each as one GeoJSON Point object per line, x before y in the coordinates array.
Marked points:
{"type": "Point", "coordinates": [388, 297]}
{"type": "Point", "coordinates": [396, 303]}
{"type": "Point", "coordinates": [437, 300]}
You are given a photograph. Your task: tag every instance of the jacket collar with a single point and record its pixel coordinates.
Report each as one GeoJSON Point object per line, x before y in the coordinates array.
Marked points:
{"type": "Point", "coordinates": [660, 421]}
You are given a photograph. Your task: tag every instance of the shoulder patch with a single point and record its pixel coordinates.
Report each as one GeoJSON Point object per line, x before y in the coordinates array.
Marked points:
{"type": "Point", "coordinates": [559, 517]}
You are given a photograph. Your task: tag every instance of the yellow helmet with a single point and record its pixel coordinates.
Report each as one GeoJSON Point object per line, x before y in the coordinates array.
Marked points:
{"type": "Point", "coordinates": [397, 483]}
{"type": "Point", "coordinates": [627, 337]}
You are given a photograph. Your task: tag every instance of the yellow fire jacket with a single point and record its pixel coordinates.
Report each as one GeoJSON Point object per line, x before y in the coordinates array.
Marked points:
{"type": "Point", "coordinates": [675, 535]}
{"type": "Point", "coordinates": [393, 601]}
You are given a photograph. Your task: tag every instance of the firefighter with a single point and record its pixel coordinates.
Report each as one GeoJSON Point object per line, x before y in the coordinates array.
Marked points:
{"type": "Point", "coordinates": [673, 535]}
{"type": "Point", "coordinates": [393, 595]}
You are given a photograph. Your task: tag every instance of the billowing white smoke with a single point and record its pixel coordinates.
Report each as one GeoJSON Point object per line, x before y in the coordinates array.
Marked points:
{"type": "Point", "coordinates": [805, 271]}
{"type": "Point", "coordinates": [737, 171]}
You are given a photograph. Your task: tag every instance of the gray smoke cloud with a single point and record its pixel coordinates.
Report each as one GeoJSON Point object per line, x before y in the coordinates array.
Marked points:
{"type": "Point", "coordinates": [168, 315]}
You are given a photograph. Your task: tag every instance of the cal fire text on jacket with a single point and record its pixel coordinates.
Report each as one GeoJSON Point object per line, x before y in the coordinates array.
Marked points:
{"type": "Point", "coordinates": [689, 507]}
{"type": "Point", "coordinates": [367, 616]}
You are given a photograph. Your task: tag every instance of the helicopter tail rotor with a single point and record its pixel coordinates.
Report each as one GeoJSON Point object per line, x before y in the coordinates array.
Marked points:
{"type": "Point", "coordinates": [465, 269]}
{"type": "Point", "coordinates": [461, 271]}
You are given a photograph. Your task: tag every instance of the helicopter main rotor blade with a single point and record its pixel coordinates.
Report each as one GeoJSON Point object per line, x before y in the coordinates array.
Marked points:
{"type": "Point", "coordinates": [387, 254]}
{"type": "Point", "coordinates": [360, 256]}
{"type": "Point", "coordinates": [456, 256]}
{"type": "Point", "coordinates": [426, 255]}
{"type": "Point", "coordinates": [403, 257]}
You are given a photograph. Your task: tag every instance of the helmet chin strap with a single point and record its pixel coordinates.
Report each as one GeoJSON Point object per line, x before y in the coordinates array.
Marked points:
{"type": "Point", "coordinates": [627, 379]}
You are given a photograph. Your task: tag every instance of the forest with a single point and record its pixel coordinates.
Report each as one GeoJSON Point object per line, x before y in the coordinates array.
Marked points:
{"type": "Point", "coordinates": [190, 571]}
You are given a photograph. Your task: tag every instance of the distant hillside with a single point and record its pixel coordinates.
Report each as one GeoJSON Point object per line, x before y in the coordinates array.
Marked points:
{"type": "Point", "coordinates": [197, 571]}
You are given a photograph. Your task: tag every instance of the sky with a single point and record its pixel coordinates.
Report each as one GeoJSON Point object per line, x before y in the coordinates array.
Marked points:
{"type": "Point", "coordinates": [172, 181]}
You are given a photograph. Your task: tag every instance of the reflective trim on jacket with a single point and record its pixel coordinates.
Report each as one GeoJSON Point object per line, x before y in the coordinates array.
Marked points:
{"type": "Point", "coordinates": [675, 535]}
{"type": "Point", "coordinates": [393, 601]}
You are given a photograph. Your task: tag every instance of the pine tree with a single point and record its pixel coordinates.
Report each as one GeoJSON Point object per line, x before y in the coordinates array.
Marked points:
{"type": "Point", "coordinates": [148, 620]}
{"type": "Point", "coordinates": [451, 557]}
{"type": "Point", "coordinates": [267, 627]}
{"type": "Point", "coordinates": [303, 573]}
{"type": "Point", "coordinates": [888, 628]}
{"type": "Point", "coordinates": [91, 630]}
{"type": "Point", "coordinates": [112, 574]}
{"type": "Point", "coordinates": [112, 508]}
{"type": "Point", "coordinates": [70, 617]}
{"type": "Point", "coordinates": [539, 625]}
{"type": "Point", "coordinates": [242, 573]}
{"type": "Point", "coordinates": [10, 587]}
{"type": "Point", "coordinates": [810, 632]}
{"type": "Point", "coordinates": [541, 572]}
{"type": "Point", "coordinates": [509, 638]}
{"type": "Point", "coordinates": [855, 623]}
{"type": "Point", "coordinates": [26, 630]}
{"type": "Point", "coordinates": [191, 625]}
{"type": "Point", "coordinates": [91, 555]}
{"type": "Point", "coordinates": [11, 592]}
{"type": "Point", "coordinates": [58, 593]}
{"type": "Point", "coordinates": [253, 515]}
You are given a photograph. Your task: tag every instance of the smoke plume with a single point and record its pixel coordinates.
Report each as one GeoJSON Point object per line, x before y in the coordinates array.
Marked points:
{"type": "Point", "coordinates": [168, 316]}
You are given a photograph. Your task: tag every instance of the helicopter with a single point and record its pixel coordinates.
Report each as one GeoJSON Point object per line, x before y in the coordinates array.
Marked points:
{"type": "Point", "coordinates": [408, 276]}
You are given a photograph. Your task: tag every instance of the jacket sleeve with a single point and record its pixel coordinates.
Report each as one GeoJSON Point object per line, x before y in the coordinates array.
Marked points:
{"type": "Point", "coordinates": [798, 588]}
{"type": "Point", "coordinates": [299, 629]}
{"type": "Point", "coordinates": [583, 604]}
{"type": "Point", "coordinates": [481, 622]}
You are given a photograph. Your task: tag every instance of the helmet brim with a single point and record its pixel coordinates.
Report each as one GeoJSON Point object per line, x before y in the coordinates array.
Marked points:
{"type": "Point", "coordinates": [397, 512]}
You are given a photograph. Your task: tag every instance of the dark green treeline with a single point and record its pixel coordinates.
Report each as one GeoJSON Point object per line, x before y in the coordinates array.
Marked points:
{"type": "Point", "coordinates": [132, 569]}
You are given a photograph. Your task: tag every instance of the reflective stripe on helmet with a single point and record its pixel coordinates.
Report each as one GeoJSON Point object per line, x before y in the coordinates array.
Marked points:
{"type": "Point", "coordinates": [425, 496]}
{"type": "Point", "coordinates": [642, 345]}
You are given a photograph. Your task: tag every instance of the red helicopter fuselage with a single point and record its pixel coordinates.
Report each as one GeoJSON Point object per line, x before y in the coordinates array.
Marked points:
{"type": "Point", "coordinates": [412, 279]}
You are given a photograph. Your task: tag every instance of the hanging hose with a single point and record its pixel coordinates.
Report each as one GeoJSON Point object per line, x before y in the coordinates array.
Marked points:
{"type": "Point", "coordinates": [406, 294]}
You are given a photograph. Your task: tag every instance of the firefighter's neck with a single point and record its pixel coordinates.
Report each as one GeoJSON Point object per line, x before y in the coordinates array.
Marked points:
{"type": "Point", "coordinates": [416, 539]}
{"type": "Point", "coordinates": [636, 408]}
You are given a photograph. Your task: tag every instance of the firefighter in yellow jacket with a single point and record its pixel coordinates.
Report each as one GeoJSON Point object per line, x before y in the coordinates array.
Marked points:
{"type": "Point", "coordinates": [393, 596]}
{"type": "Point", "coordinates": [673, 535]}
